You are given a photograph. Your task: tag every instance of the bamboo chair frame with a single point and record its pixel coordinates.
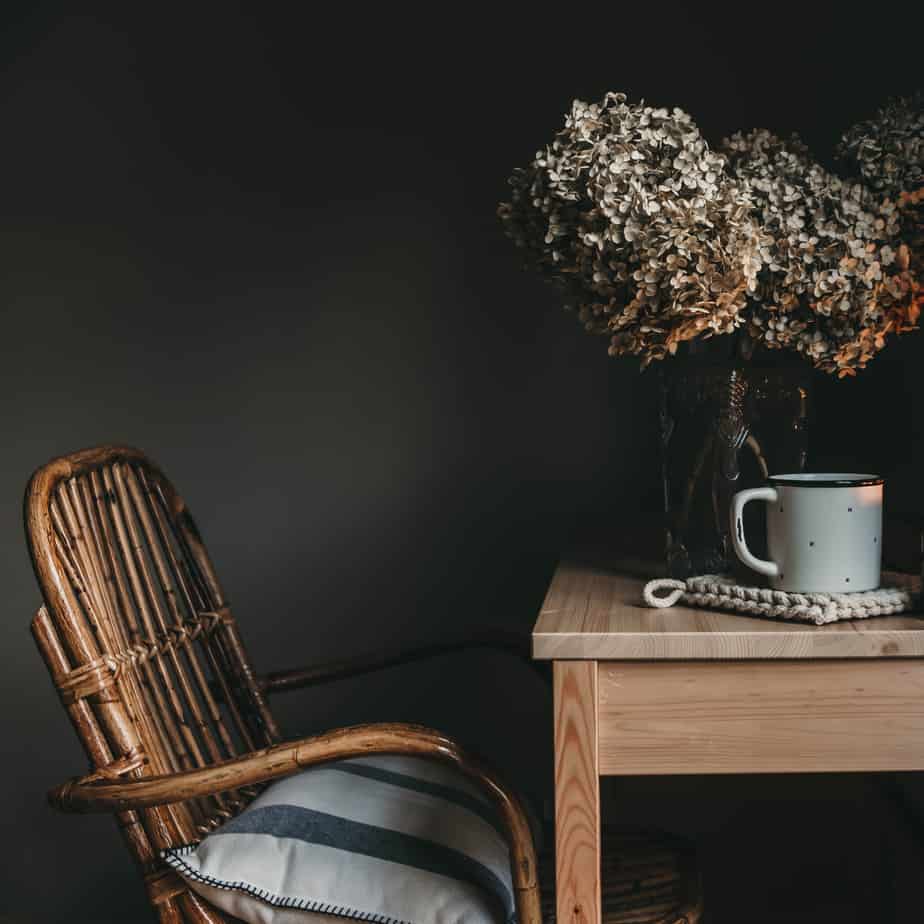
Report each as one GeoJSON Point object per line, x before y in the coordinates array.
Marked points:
{"type": "Point", "coordinates": [144, 650]}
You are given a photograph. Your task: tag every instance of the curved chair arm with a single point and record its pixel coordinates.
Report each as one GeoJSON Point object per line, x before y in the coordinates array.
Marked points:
{"type": "Point", "coordinates": [511, 643]}
{"type": "Point", "coordinates": [90, 795]}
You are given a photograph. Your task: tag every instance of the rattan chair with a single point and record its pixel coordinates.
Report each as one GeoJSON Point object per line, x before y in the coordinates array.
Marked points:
{"type": "Point", "coordinates": [144, 651]}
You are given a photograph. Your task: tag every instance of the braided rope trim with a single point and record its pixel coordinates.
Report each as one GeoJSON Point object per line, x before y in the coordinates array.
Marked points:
{"type": "Point", "coordinates": [898, 594]}
{"type": "Point", "coordinates": [102, 673]}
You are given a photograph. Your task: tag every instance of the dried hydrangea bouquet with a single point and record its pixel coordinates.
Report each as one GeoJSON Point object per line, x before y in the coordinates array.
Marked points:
{"type": "Point", "coordinates": [660, 244]}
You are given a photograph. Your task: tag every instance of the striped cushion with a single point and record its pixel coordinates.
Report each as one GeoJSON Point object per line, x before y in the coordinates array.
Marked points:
{"type": "Point", "coordinates": [395, 840]}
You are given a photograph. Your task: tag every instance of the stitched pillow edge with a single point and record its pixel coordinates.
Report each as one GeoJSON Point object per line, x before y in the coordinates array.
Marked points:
{"type": "Point", "coordinates": [174, 857]}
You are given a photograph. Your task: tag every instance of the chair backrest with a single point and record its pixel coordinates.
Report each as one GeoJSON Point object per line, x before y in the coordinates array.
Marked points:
{"type": "Point", "coordinates": [141, 643]}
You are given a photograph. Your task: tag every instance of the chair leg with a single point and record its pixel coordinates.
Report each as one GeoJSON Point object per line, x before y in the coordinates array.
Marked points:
{"type": "Point", "coordinates": [529, 910]}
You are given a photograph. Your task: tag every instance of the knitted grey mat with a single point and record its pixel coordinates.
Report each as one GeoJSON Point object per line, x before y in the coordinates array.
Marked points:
{"type": "Point", "coordinates": [899, 593]}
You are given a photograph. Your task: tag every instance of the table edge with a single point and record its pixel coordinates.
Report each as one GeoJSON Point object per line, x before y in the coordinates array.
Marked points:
{"type": "Point", "coordinates": [692, 646]}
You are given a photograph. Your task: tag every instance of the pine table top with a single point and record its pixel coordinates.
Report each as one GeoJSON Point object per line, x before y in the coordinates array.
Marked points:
{"type": "Point", "coordinates": [594, 613]}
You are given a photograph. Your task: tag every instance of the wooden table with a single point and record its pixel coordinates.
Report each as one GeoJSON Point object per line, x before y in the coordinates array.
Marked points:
{"type": "Point", "coordinates": [682, 690]}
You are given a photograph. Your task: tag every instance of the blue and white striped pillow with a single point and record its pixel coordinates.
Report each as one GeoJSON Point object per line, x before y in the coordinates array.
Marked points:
{"type": "Point", "coordinates": [392, 840]}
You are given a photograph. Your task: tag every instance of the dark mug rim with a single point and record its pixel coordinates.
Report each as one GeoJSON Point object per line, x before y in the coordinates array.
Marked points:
{"type": "Point", "coordinates": [825, 480]}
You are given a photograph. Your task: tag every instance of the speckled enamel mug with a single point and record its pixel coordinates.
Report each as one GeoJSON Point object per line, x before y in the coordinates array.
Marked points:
{"type": "Point", "coordinates": [824, 532]}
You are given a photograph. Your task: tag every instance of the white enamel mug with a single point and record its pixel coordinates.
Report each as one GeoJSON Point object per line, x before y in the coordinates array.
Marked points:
{"type": "Point", "coordinates": [824, 532]}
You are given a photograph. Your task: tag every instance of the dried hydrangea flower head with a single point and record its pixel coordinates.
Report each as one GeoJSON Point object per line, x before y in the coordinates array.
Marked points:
{"type": "Point", "coordinates": [656, 240]}
{"type": "Point", "coordinates": [632, 215]}
{"type": "Point", "coordinates": [887, 152]}
{"type": "Point", "coordinates": [835, 280]}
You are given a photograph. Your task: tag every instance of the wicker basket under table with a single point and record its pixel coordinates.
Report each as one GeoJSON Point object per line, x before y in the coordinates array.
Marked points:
{"type": "Point", "coordinates": [646, 878]}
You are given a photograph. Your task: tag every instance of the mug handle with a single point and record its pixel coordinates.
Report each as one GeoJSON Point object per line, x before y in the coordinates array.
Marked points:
{"type": "Point", "coordinates": [769, 568]}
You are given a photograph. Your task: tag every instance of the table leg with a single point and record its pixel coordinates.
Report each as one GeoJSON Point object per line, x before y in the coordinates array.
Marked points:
{"type": "Point", "coordinates": [577, 794]}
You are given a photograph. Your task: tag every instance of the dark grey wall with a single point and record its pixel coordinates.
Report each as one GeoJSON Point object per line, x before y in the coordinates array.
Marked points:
{"type": "Point", "coordinates": [264, 249]}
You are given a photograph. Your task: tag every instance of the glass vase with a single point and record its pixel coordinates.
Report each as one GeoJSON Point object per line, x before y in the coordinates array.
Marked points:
{"type": "Point", "coordinates": [724, 428]}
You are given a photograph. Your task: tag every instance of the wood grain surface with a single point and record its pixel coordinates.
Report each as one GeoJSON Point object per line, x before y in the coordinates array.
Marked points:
{"type": "Point", "coordinates": [577, 794]}
{"type": "Point", "coordinates": [591, 612]}
{"type": "Point", "coordinates": [761, 717]}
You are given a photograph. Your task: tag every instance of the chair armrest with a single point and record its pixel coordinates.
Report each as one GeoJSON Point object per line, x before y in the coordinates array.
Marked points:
{"type": "Point", "coordinates": [93, 794]}
{"type": "Point", "coordinates": [88, 794]}
{"type": "Point", "coordinates": [507, 642]}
